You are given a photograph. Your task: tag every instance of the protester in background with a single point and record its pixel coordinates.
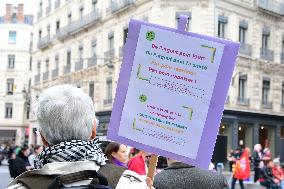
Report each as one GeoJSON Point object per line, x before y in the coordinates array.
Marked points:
{"type": "Point", "coordinates": [67, 123]}
{"type": "Point", "coordinates": [241, 169]}
{"type": "Point", "coordinates": [133, 152]}
{"type": "Point", "coordinates": [266, 177]}
{"type": "Point", "coordinates": [138, 163]}
{"type": "Point", "coordinates": [37, 150]}
{"type": "Point", "coordinates": [278, 172]}
{"type": "Point", "coordinates": [183, 176]}
{"type": "Point", "coordinates": [231, 159]}
{"type": "Point", "coordinates": [257, 161]}
{"type": "Point", "coordinates": [266, 152]}
{"type": "Point", "coordinates": [116, 154]}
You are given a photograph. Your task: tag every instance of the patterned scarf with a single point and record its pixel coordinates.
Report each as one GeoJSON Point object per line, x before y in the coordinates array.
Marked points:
{"type": "Point", "coordinates": [76, 150]}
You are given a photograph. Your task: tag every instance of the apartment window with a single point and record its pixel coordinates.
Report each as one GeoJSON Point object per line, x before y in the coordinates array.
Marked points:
{"type": "Point", "coordinates": [69, 18]}
{"type": "Point", "coordinates": [57, 25]}
{"type": "Point", "coordinates": [8, 110]}
{"type": "Point", "coordinates": [81, 51]}
{"type": "Point", "coordinates": [10, 86]}
{"type": "Point", "coordinates": [47, 64]}
{"type": "Point", "coordinates": [31, 61]}
{"type": "Point", "coordinates": [242, 32]}
{"type": "Point", "coordinates": [283, 47]}
{"type": "Point", "coordinates": [81, 11]}
{"type": "Point", "coordinates": [189, 19]}
{"type": "Point", "coordinates": [39, 34]}
{"type": "Point", "coordinates": [91, 90]}
{"type": "Point", "coordinates": [222, 22]}
{"type": "Point", "coordinates": [94, 47]}
{"type": "Point", "coordinates": [125, 32]}
{"type": "Point", "coordinates": [265, 38]}
{"type": "Point", "coordinates": [48, 29]}
{"type": "Point", "coordinates": [110, 41]}
{"type": "Point", "coordinates": [282, 94]}
{"type": "Point", "coordinates": [69, 57]}
{"type": "Point", "coordinates": [94, 3]}
{"type": "Point", "coordinates": [242, 86]}
{"type": "Point", "coordinates": [56, 61]}
{"type": "Point", "coordinates": [14, 18]}
{"type": "Point", "coordinates": [265, 90]}
{"type": "Point", "coordinates": [38, 67]}
{"type": "Point", "coordinates": [109, 88]}
{"type": "Point", "coordinates": [11, 61]}
{"type": "Point", "coordinates": [12, 37]}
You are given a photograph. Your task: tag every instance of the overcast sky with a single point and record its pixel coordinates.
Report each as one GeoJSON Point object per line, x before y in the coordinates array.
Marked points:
{"type": "Point", "coordinates": [29, 5]}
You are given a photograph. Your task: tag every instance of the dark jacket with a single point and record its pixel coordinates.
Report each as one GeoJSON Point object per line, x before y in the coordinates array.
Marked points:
{"type": "Point", "coordinates": [266, 174]}
{"type": "Point", "coordinates": [182, 176]}
{"type": "Point", "coordinates": [256, 159]}
{"type": "Point", "coordinates": [18, 166]}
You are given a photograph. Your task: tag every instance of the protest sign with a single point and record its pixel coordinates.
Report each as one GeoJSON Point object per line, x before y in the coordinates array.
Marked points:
{"type": "Point", "coordinates": [171, 91]}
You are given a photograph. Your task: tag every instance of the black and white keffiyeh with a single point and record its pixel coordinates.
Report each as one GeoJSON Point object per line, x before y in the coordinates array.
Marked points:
{"type": "Point", "coordinates": [75, 150]}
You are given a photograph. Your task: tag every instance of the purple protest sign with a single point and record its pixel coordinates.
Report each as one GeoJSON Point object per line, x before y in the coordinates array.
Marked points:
{"type": "Point", "coordinates": [171, 91]}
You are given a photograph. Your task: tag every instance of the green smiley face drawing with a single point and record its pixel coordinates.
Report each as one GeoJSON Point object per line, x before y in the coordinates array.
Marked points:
{"type": "Point", "coordinates": [143, 98]}
{"type": "Point", "coordinates": [150, 35]}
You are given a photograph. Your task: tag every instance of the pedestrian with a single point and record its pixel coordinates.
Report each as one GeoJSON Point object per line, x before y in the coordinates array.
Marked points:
{"type": "Point", "coordinates": [179, 175]}
{"type": "Point", "coordinates": [257, 161]}
{"type": "Point", "coordinates": [266, 177]}
{"type": "Point", "coordinates": [231, 159]}
{"type": "Point", "coordinates": [241, 169]}
{"type": "Point", "coordinates": [67, 126]}
{"type": "Point", "coordinates": [37, 150]}
{"type": "Point", "coordinates": [278, 172]}
{"type": "Point", "coordinates": [116, 154]}
{"type": "Point", "coordinates": [138, 163]}
{"type": "Point", "coordinates": [266, 152]}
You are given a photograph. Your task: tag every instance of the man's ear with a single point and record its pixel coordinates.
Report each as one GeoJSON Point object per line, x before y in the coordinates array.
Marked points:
{"type": "Point", "coordinates": [94, 131]}
{"type": "Point", "coordinates": [45, 143]}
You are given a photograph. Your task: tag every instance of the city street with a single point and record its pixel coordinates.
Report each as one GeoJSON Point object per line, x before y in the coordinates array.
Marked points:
{"type": "Point", "coordinates": [4, 176]}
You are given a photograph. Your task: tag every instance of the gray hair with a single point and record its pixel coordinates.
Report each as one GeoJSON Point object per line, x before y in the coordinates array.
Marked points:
{"type": "Point", "coordinates": [64, 113]}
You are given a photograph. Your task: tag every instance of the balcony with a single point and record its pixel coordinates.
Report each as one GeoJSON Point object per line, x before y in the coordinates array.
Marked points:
{"type": "Point", "coordinates": [120, 5]}
{"type": "Point", "coordinates": [48, 9]}
{"type": "Point", "coordinates": [92, 61]}
{"type": "Point", "coordinates": [266, 54]}
{"type": "Point", "coordinates": [45, 75]}
{"type": "Point", "coordinates": [245, 49]}
{"type": "Point", "coordinates": [67, 68]}
{"type": "Point", "coordinates": [109, 55]}
{"type": "Point", "coordinates": [266, 104]}
{"type": "Point", "coordinates": [79, 65]}
{"type": "Point", "coordinates": [79, 25]}
{"type": "Point", "coordinates": [242, 100]}
{"type": "Point", "coordinates": [271, 6]}
{"type": "Point", "coordinates": [44, 42]}
{"type": "Point", "coordinates": [54, 73]}
{"type": "Point", "coordinates": [37, 78]}
{"type": "Point", "coordinates": [39, 15]}
{"type": "Point", "coordinates": [107, 101]}
{"type": "Point", "coordinates": [57, 4]}
{"type": "Point", "coordinates": [282, 58]}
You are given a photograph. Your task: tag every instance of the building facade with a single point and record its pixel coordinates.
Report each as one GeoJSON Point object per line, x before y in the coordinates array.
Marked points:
{"type": "Point", "coordinates": [15, 47]}
{"type": "Point", "coordinates": [80, 42]}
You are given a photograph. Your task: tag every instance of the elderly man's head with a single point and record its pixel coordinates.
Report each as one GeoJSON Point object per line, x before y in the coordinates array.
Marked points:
{"type": "Point", "coordinates": [65, 113]}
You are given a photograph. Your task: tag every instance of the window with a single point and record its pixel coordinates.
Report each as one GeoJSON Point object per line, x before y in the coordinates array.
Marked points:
{"type": "Point", "coordinates": [56, 61]}
{"type": "Point", "coordinates": [265, 91]}
{"type": "Point", "coordinates": [12, 37]}
{"type": "Point", "coordinates": [91, 90]}
{"type": "Point", "coordinates": [47, 64]}
{"type": "Point", "coordinates": [222, 22]}
{"type": "Point", "coordinates": [81, 11]}
{"type": "Point", "coordinates": [8, 110]}
{"type": "Point", "coordinates": [94, 3]}
{"type": "Point", "coordinates": [265, 39]}
{"type": "Point", "coordinates": [39, 34]}
{"type": "Point", "coordinates": [48, 30]}
{"type": "Point", "coordinates": [11, 61]}
{"type": "Point", "coordinates": [69, 18]}
{"type": "Point", "coordinates": [110, 41]}
{"type": "Point", "coordinates": [10, 86]}
{"type": "Point", "coordinates": [242, 32]}
{"type": "Point", "coordinates": [282, 95]}
{"type": "Point", "coordinates": [94, 48]}
{"type": "Point", "coordinates": [57, 25]}
{"type": "Point", "coordinates": [31, 61]}
{"type": "Point", "coordinates": [14, 18]}
{"type": "Point", "coordinates": [69, 57]}
{"type": "Point", "coordinates": [242, 87]}
{"type": "Point", "coordinates": [38, 67]}
{"type": "Point", "coordinates": [81, 51]}
{"type": "Point", "coordinates": [125, 32]}
{"type": "Point", "coordinates": [109, 89]}
{"type": "Point", "coordinates": [189, 19]}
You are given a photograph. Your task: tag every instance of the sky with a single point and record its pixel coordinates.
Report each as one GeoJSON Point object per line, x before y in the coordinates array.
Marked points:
{"type": "Point", "coordinates": [29, 5]}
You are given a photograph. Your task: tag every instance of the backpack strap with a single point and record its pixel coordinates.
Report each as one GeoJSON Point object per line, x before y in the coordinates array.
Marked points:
{"type": "Point", "coordinates": [112, 173]}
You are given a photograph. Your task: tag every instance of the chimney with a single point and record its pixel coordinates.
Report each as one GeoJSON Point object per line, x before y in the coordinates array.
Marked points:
{"type": "Point", "coordinates": [20, 13]}
{"type": "Point", "coordinates": [9, 11]}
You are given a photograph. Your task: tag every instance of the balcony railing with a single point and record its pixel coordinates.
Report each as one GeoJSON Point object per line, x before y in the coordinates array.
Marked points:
{"type": "Point", "coordinates": [48, 9]}
{"type": "Point", "coordinates": [92, 61]}
{"type": "Point", "coordinates": [44, 42]}
{"type": "Point", "coordinates": [67, 68]}
{"type": "Point", "coordinates": [57, 4]}
{"type": "Point", "coordinates": [37, 78]}
{"type": "Point", "coordinates": [282, 58]}
{"type": "Point", "coordinates": [45, 75]}
{"type": "Point", "coordinates": [267, 104]}
{"type": "Point", "coordinates": [120, 5]}
{"type": "Point", "coordinates": [79, 65]}
{"type": "Point", "coordinates": [39, 15]}
{"type": "Point", "coordinates": [79, 25]}
{"type": "Point", "coordinates": [54, 73]}
{"type": "Point", "coordinates": [271, 6]}
{"type": "Point", "coordinates": [107, 101]}
{"type": "Point", "coordinates": [242, 100]}
{"type": "Point", "coordinates": [109, 55]}
{"type": "Point", "coordinates": [245, 49]}
{"type": "Point", "coordinates": [266, 54]}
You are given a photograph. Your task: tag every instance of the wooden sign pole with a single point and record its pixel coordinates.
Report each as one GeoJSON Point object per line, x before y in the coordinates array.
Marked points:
{"type": "Point", "coordinates": [152, 166]}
